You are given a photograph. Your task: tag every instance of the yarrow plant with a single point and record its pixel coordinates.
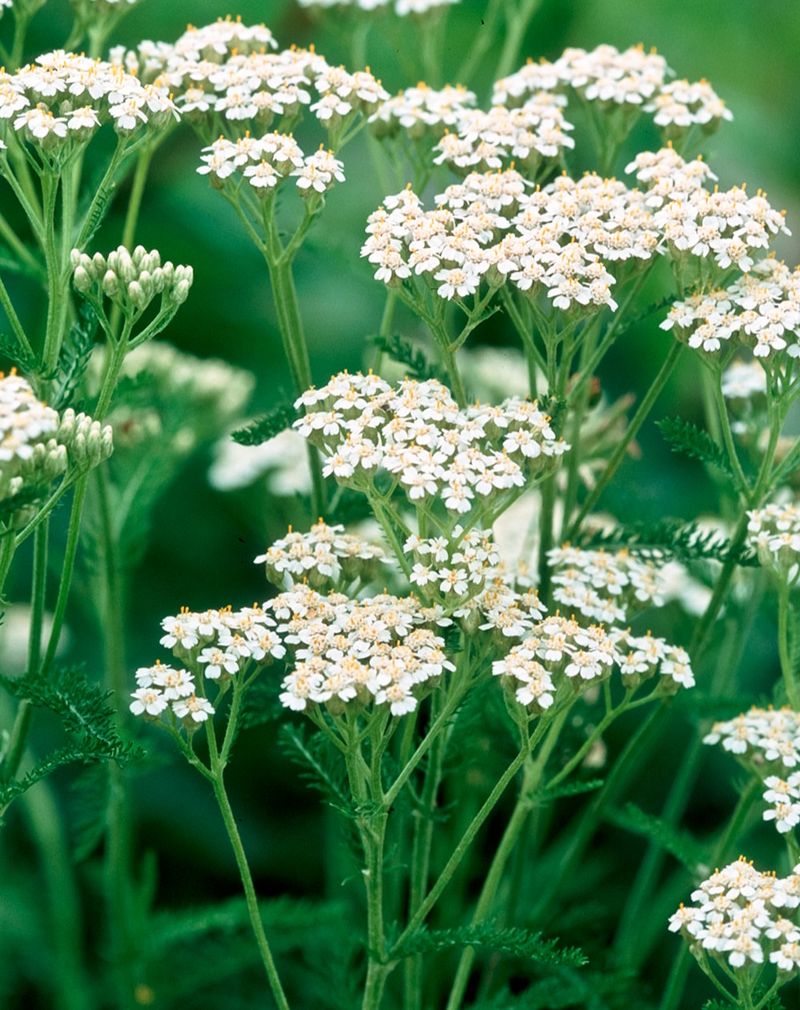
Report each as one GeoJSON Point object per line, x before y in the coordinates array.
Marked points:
{"type": "Point", "coordinates": [468, 660]}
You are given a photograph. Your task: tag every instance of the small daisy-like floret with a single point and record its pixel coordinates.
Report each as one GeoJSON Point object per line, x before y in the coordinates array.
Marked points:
{"type": "Point", "coordinates": [762, 736]}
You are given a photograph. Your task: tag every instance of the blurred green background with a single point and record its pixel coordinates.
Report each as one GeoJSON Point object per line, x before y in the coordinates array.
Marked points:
{"type": "Point", "coordinates": [203, 542]}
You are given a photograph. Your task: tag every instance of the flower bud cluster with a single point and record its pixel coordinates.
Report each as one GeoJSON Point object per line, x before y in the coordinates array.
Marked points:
{"type": "Point", "coordinates": [416, 433]}
{"type": "Point", "coordinates": [37, 445]}
{"type": "Point", "coordinates": [223, 75]}
{"type": "Point", "coordinates": [605, 586]}
{"type": "Point", "coordinates": [744, 917]}
{"type": "Point", "coordinates": [762, 737]}
{"type": "Point", "coordinates": [131, 280]}
{"type": "Point", "coordinates": [451, 570]}
{"type": "Point", "coordinates": [265, 162]}
{"type": "Point", "coordinates": [774, 532]}
{"type": "Point", "coordinates": [559, 650]}
{"type": "Point", "coordinates": [325, 557]}
{"type": "Point", "coordinates": [63, 98]}
{"type": "Point", "coordinates": [760, 310]}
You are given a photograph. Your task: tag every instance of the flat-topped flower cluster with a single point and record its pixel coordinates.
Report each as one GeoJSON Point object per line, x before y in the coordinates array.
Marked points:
{"type": "Point", "coordinates": [64, 97]}
{"type": "Point", "coordinates": [774, 532]}
{"type": "Point", "coordinates": [761, 736]}
{"type": "Point", "coordinates": [326, 556]}
{"type": "Point", "coordinates": [606, 586]}
{"type": "Point", "coordinates": [381, 649]}
{"type": "Point", "coordinates": [416, 434]}
{"type": "Point", "coordinates": [760, 310]}
{"type": "Point", "coordinates": [744, 917]}
{"type": "Point", "coordinates": [264, 162]}
{"type": "Point", "coordinates": [562, 239]}
{"type": "Point", "coordinates": [560, 647]}
{"type": "Point", "coordinates": [401, 7]}
{"type": "Point", "coordinates": [225, 78]}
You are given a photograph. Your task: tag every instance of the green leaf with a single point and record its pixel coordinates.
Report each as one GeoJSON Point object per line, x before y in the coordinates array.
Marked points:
{"type": "Point", "coordinates": [669, 538]}
{"type": "Point", "coordinates": [74, 357]}
{"type": "Point", "coordinates": [570, 789]}
{"type": "Point", "coordinates": [320, 765]}
{"type": "Point", "coordinates": [264, 428]}
{"type": "Point", "coordinates": [404, 352]}
{"type": "Point", "coordinates": [687, 439]}
{"type": "Point", "coordinates": [11, 350]}
{"type": "Point", "coordinates": [512, 941]}
{"type": "Point", "coordinates": [680, 844]}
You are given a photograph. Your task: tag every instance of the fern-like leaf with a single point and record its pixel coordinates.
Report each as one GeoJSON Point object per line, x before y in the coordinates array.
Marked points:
{"type": "Point", "coordinates": [320, 765]}
{"type": "Point", "coordinates": [511, 941]}
{"type": "Point", "coordinates": [74, 357]}
{"type": "Point", "coordinates": [570, 789]}
{"type": "Point", "coordinates": [404, 352]}
{"type": "Point", "coordinates": [262, 429]}
{"type": "Point", "coordinates": [680, 844]}
{"type": "Point", "coordinates": [687, 439]}
{"type": "Point", "coordinates": [669, 538]}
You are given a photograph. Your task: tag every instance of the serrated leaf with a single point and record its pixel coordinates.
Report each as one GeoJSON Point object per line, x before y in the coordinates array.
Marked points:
{"type": "Point", "coordinates": [262, 429]}
{"type": "Point", "coordinates": [11, 350]}
{"type": "Point", "coordinates": [512, 941]}
{"type": "Point", "coordinates": [570, 789]}
{"type": "Point", "coordinates": [669, 538]}
{"type": "Point", "coordinates": [404, 352]}
{"type": "Point", "coordinates": [74, 357]}
{"type": "Point", "coordinates": [320, 765]}
{"type": "Point", "coordinates": [687, 439]}
{"type": "Point", "coordinates": [680, 844]}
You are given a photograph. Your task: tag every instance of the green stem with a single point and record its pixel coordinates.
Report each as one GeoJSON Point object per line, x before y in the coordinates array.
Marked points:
{"type": "Point", "coordinates": [468, 837]}
{"type": "Point", "coordinates": [621, 450]}
{"type": "Point", "coordinates": [532, 775]}
{"type": "Point", "coordinates": [516, 26]}
{"type": "Point", "coordinates": [787, 668]}
{"type": "Point", "coordinates": [13, 319]}
{"type": "Point", "coordinates": [251, 899]}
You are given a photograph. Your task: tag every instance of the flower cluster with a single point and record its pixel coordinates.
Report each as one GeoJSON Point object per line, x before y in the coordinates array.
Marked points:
{"type": "Point", "coordinates": [559, 648]}
{"type": "Point", "coordinates": [742, 916]}
{"type": "Point", "coordinates": [36, 444]}
{"type": "Point", "coordinates": [381, 649]}
{"type": "Point", "coordinates": [266, 161]}
{"type": "Point", "coordinates": [422, 111]}
{"type": "Point", "coordinates": [131, 280]}
{"type": "Point", "coordinates": [503, 606]}
{"type": "Point", "coordinates": [723, 226]}
{"type": "Point", "coordinates": [783, 799]}
{"type": "Point", "coordinates": [224, 76]}
{"type": "Point", "coordinates": [555, 239]}
{"type": "Point", "coordinates": [64, 97]}
{"type": "Point", "coordinates": [760, 309]}
{"type": "Point", "coordinates": [160, 688]}
{"type": "Point", "coordinates": [215, 645]}
{"type": "Point", "coordinates": [326, 556]}
{"type": "Point", "coordinates": [631, 80]}
{"type": "Point", "coordinates": [281, 461]}
{"type": "Point", "coordinates": [744, 380]}
{"type": "Point", "coordinates": [417, 434]}
{"type": "Point", "coordinates": [602, 585]}
{"type": "Point", "coordinates": [761, 736]}
{"type": "Point", "coordinates": [530, 136]}
{"type": "Point", "coordinates": [452, 569]}
{"type": "Point", "coordinates": [774, 532]}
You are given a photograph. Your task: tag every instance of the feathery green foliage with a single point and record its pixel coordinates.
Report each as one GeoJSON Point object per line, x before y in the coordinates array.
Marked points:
{"type": "Point", "coordinates": [686, 438]}
{"type": "Point", "coordinates": [262, 429]}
